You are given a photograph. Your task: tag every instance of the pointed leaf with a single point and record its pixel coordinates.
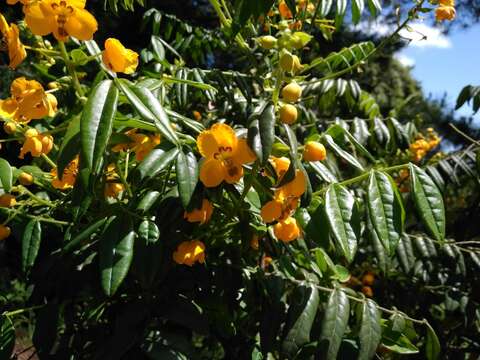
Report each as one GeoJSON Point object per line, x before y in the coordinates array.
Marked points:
{"type": "Point", "coordinates": [370, 330]}
{"type": "Point", "coordinates": [386, 218]}
{"type": "Point", "coordinates": [334, 324]}
{"type": "Point", "coordinates": [187, 176]}
{"type": "Point", "coordinates": [6, 175]}
{"type": "Point", "coordinates": [31, 238]}
{"type": "Point", "coordinates": [156, 161]}
{"type": "Point", "coordinates": [7, 337]}
{"type": "Point", "coordinates": [339, 207]}
{"type": "Point", "coordinates": [432, 345]}
{"type": "Point", "coordinates": [428, 201]}
{"type": "Point", "coordinates": [115, 253]}
{"type": "Point", "coordinates": [342, 153]}
{"type": "Point", "coordinates": [301, 315]}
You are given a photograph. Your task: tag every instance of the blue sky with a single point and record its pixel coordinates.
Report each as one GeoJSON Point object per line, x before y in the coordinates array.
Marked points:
{"type": "Point", "coordinates": [445, 64]}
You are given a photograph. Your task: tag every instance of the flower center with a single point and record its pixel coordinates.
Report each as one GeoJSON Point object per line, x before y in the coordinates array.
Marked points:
{"type": "Point", "coordinates": [63, 11]}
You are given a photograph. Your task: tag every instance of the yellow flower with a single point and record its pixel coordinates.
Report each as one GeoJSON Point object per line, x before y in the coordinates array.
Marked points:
{"type": "Point", "coordinates": [7, 200]}
{"type": "Point", "coordinates": [69, 176]}
{"type": "Point", "coordinates": [314, 151]}
{"type": "Point", "coordinates": [4, 232]}
{"type": "Point", "coordinates": [28, 101]}
{"type": "Point", "coordinates": [224, 155]}
{"type": "Point", "coordinates": [287, 230]}
{"type": "Point", "coordinates": [11, 43]}
{"type": "Point", "coordinates": [113, 188]}
{"type": "Point", "coordinates": [445, 13]}
{"type": "Point", "coordinates": [63, 18]}
{"type": "Point", "coordinates": [280, 165]}
{"type": "Point", "coordinates": [201, 215]}
{"type": "Point", "coordinates": [141, 144]}
{"type": "Point", "coordinates": [446, 2]}
{"type": "Point", "coordinates": [36, 144]}
{"type": "Point", "coordinates": [119, 59]}
{"type": "Point", "coordinates": [190, 252]}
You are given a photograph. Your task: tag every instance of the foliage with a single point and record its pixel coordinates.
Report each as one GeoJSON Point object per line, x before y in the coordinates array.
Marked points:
{"type": "Point", "coordinates": [177, 215]}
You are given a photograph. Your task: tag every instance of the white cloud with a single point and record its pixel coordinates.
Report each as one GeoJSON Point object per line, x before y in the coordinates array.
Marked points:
{"type": "Point", "coordinates": [419, 34]}
{"type": "Point", "coordinates": [405, 60]}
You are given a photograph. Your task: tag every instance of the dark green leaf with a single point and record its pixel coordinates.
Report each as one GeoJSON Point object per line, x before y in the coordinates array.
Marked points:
{"type": "Point", "coordinates": [187, 176]}
{"type": "Point", "coordinates": [339, 207]}
{"type": "Point", "coordinates": [386, 218]}
{"type": "Point", "coordinates": [70, 146]}
{"type": "Point", "coordinates": [31, 238]}
{"type": "Point", "coordinates": [370, 330]}
{"type": "Point", "coordinates": [148, 106]}
{"type": "Point", "coordinates": [156, 161]}
{"type": "Point", "coordinates": [115, 253]}
{"type": "Point", "coordinates": [83, 235]}
{"type": "Point", "coordinates": [301, 315]}
{"type": "Point", "coordinates": [334, 324]}
{"type": "Point", "coordinates": [342, 153]}
{"type": "Point", "coordinates": [428, 201]}
{"type": "Point", "coordinates": [7, 337]}
{"type": "Point", "coordinates": [432, 345]}
{"type": "Point", "coordinates": [96, 123]}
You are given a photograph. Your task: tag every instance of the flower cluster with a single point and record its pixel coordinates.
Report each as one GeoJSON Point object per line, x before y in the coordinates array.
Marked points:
{"type": "Point", "coordinates": [422, 145]}
{"type": "Point", "coordinates": [284, 203]}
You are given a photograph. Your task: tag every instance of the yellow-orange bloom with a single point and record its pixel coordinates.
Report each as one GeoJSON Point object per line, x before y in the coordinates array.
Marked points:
{"type": "Point", "coordinates": [141, 144]}
{"type": "Point", "coordinates": [119, 59]}
{"type": "Point", "coordinates": [62, 18]}
{"type": "Point", "coordinates": [7, 200]}
{"type": "Point", "coordinates": [113, 189]}
{"type": "Point", "coordinates": [190, 252]}
{"type": "Point", "coordinates": [445, 13]}
{"type": "Point", "coordinates": [69, 176]}
{"type": "Point", "coordinates": [287, 230]}
{"type": "Point", "coordinates": [4, 232]}
{"type": "Point", "coordinates": [201, 215]}
{"type": "Point", "coordinates": [36, 144]}
{"type": "Point", "coordinates": [28, 101]}
{"type": "Point", "coordinates": [224, 155]}
{"type": "Point", "coordinates": [11, 43]}
{"type": "Point", "coordinates": [284, 10]}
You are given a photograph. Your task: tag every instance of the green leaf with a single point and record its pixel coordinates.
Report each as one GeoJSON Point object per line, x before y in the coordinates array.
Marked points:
{"type": "Point", "coordinates": [300, 319]}
{"type": "Point", "coordinates": [357, 9]}
{"type": "Point", "coordinates": [432, 345]}
{"type": "Point", "coordinates": [374, 7]}
{"type": "Point", "coordinates": [323, 172]}
{"type": "Point", "coordinates": [341, 9]}
{"type": "Point", "coordinates": [325, 6]}
{"type": "Point", "coordinates": [397, 342]}
{"type": "Point", "coordinates": [96, 123]}
{"type": "Point", "coordinates": [292, 141]}
{"type": "Point", "coordinates": [7, 337]}
{"type": "Point", "coordinates": [261, 133]}
{"type": "Point", "coordinates": [6, 175]}
{"type": "Point", "coordinates": [148, 106]}
{"type": "Point", "coordinates": [156, 161]}
{"type": "Point", "coordinates": [147, 259]}
{"type": "Point", "coordinates": [342, 153]}
{"type": "Point", "coordinates": [31, 238]}
{"type": "Point", "coordinates": [115, 253]}
{"type": "Point", "coordinates": [83, 235]}
{"type": "Point", "coordinates": [187, 176]}
{"type": "Point", "coordinates": [385, 216]}
{"type": "Point", "coordinates": [370, 330]}
{"type": "Point", "coordinates": [158, 48]}
{"type": "Point", "coordinates": [428, 201]}
{"type": "Point", "coordinates": [339, 207]}
{"type": "Point", "coordinates": [405, 253]}
{"type": "Point", "coordinates": [334, 324]}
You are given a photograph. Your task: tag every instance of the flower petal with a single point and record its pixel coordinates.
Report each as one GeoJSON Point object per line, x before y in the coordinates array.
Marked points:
{"type": "Point", "coordinates": [212, 173]}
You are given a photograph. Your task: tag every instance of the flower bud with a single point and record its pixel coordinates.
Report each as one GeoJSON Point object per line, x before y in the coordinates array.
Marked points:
{"type": "Point", "coordinates": [314, 151]}
{"type": "Point", "coordinates": [10, 127]}
{"type": "Point", "coordinates": [25, 179]}
{"type": "Point", "coordinates": [4, 232]}
{"type": "Point", "coordinates": [288, 114]}
{"type": "Point", "coordinates": [267, 42]}
{"type": "Point", "coordinates": [292, 92]}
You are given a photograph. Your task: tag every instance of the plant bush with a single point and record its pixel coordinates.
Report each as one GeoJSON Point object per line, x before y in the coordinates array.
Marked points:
{"type": "Point", "coordinates": [153, 210]}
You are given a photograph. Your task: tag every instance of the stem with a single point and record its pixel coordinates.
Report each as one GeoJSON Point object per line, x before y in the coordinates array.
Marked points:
{"type": "Point", "coordinates": [227, 23]}
{"type": "Point", "coordinates": [71, 69]}
{"type": "Point", "coordinates": [49, 161]}
{"type": "Point", "coordinates": [43, 51]}
{"type": "Point", "coordinates": [35, 197]}
{"type": "Point", "coordinates": [39, 218]}
{"type": "Point", "coordinates": [363, 177]}
{"type": "Point", "coordinates": [124, 181]}
{"type": "Point", "coordinates": [464, 135]}
{"type": "Point", "coordinates": [21, 311]}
